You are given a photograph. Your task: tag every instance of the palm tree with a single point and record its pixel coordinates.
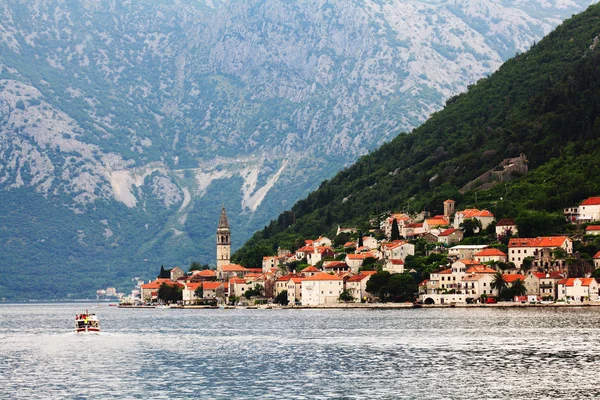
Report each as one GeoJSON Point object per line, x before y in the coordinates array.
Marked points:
{"type": "Point", "coordinates": [518, 288]}
{"type": "Point", "coordinates": [498, 283]}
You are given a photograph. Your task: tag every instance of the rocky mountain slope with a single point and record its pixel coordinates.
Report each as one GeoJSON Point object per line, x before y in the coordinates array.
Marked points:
{"type": "Point", "coordinates": [125, 125]}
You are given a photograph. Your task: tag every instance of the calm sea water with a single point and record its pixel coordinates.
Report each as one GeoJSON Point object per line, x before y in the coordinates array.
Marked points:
{"type": "Point", "coordinates": [300, 354]}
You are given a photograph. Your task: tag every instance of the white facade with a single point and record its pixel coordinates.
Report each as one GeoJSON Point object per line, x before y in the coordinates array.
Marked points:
{"type": "Point", "coordinates": [321, 289]}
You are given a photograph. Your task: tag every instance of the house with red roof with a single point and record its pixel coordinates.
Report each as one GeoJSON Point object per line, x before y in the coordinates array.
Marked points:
{"type": "Point", "coordinates": [578, 289]}
{"type": "Point", "coordinates": [543, 284]}
{"type": "Point", "coordinates": [592, 230]}
{"type": "Point", "coordinates": [491, 255]}
{"type": "Point", "coordinates": [321, 289]}
{"type": "Point", "coordinates": [394, 266]}
{"type": "Point", "coordinates": [233, 270]}
{"type": "Point", "coordinates": [475, 285]}
{"type": "Point", "coordinates": [483, 216]}
{"type": "Point", "coordinates": [589, 210]}
{"type": "Point", "coordinates": [270, 262]}
{"type": "Point", "coordinates": [149, 291]}
{"type": "Point", "coordinates": [412, 230]}
{"type": "Point", "coordinates": [506, 226]}
{"type": "Point", "coordinates": [294, 290]}
{"type": "Point", "coordinates": [436, 222]}
{"type": "Point", "coordinates": [319, 253]}
{"type": "Point", "coordinates": [188, 292]}
{"type": "Point", "coordinates": [357, 286]}
{"type": "Point", "coordinates": [335, 267]}
{"type": "Point", "coordinates": [355, 261]}
{"type": "Point", "coordinates": [281, 284]}
{"type": "Point", "coordinates": [520, 248]}
{"type": "Point", "coordinates": [398, 249]}
{"type": "Point", "coordinates": [401, 218]}
{"type": "Point", "coordinates": [310, 271]}
{"type": "Point", "coordinates": [597, 260]}
{"type": "Point", "coordinates": [450, 236]}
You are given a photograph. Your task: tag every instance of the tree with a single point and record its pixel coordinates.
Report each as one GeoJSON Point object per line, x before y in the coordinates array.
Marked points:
{"type": "Point", "coordinates": [518, 288]}
{"type": "Point", "coordinates": [527, 263]}
{"type": "Point", "coordinates": [169, 293]}
{"type": "Point", "coordinates": [498, 283]}
{"type": "Point", "coordinates": [195, 266]}
{"type": "Point", "coordinates": [256, 291]}
{"type": "Point", "coordinates": [376, 284]}
{"type": "Point", "coordinates": [395, 230]}
{"type": "Point", "coordinates": [341, 239]}
{"type": "Point", "coordinates": [470, 226]}
{"type": "Point", "coordinates": [368, 264]}
{"type": "Point", "coordinates": [346, 296]}
{"type": "Point", "coordinates": [360, 239]}
{"type": "Point", "coordinates": [401, 287]}
{"type": "Point", "coordinates": [199, 292]}
{"type": "Point", "coordinates": [282, 298]}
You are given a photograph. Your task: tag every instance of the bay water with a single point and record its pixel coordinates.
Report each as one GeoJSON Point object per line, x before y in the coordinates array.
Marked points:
{"type": "Point", "coordinates": [484, 353]}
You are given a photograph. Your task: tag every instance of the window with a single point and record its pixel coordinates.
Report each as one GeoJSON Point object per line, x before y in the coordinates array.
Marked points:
{"type": "Point", "coordinates": [484, 284]}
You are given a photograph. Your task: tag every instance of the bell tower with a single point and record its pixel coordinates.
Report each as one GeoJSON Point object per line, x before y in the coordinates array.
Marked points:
{"type": "Point", "coordinates": [223, 243]}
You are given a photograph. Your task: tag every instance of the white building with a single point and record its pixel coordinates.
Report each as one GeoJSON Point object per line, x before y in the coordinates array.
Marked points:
{"type": "Point", "coordinates": [578, 289]}
{"type": "Point", "coordinates": [520, 248]}
{"type": "Point", "coordinates": [321, 289]}
{"type": "Point", "coordinates": [589, 210]}
{"type": "Point", "coordinates": [483, 216]}
{"type": "Point", "coordinates": [357, 285]}
{"type": "Point", "coordinates": [465, 250]}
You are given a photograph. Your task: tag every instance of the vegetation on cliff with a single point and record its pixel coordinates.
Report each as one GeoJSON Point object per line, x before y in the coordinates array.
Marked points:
{"type": "Point", "coordinates": [544, 103]}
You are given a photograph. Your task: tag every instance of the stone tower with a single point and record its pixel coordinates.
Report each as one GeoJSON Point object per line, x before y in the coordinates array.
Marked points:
{"type": "Point", "coordinates": [448, 208]}
{"type": "Point", "coordinates": [223, 242]}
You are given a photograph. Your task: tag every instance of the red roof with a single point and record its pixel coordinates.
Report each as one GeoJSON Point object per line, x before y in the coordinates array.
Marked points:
{"type": "Point", "coordinates": [156, 283]}
{"type": "Point", "coordinates": [311, 269]}
{"type": "Point", "coordinates": [361, 256]}
{"type": "Point", "coordinates": [424, 283]}
{"type": "Point", "coordinates": [396, 262]}
{"type": "Point", "coordinates": [480, 269]}
{"type": "Point", "coordinates": [448, 232]}
{"type": "Point", "coordinates": [208, 273]}
{"type": "Point", "coordinates": [544, 241]}
{"type": "Point", "coordinates": [510, 278]}
{"type": "Point", "coordinates": [349, 244]}
{"type": "Point", "coordinates": [322, 276]}
{"type": "Point", "coordinates": [592, 201]}
{"type": "Point", "coordinates": [489, 252]}
{"type": "Point", "coordinates": [335, 264]}
{"type": "Point", "coordinates": [368, 273]}
{"type": "Point", "coordinates": [357, 278]}
{"type": "Point", "coordinates": [193, 286]}
{"type": "Point", "coordinates": [306, 249]}
{"type": "Point", "coordinates": [234, 268]}
{"type": "Point", "coordinates": [571, 281]}
{"type": "Point", "coordinates": [597, 255]}
{"type": "Point", "coordinates": [211, 285]}
{"type": "Point", "coordinates": [592, 228]}
{"type": "Point", "coordinates": [297, 279]}
{"type": "Point", "coordinates": [473, 213]}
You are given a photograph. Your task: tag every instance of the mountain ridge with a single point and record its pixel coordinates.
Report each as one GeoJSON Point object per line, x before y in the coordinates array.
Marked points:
{"type": "Point", "coordinates": [155, 114]}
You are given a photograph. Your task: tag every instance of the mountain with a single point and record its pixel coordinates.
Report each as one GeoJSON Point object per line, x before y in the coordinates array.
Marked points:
{"type": "Point", "coordinates": [125, 125]}
{"type": "Point", "coordinates": [544, 103]}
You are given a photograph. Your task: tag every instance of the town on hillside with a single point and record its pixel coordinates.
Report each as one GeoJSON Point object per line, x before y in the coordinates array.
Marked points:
{"type": "Point", "coordinates": [461, 257]}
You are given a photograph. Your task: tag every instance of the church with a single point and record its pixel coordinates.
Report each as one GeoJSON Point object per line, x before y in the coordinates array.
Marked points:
{"type": "Point", "coordinates": [223, 243]}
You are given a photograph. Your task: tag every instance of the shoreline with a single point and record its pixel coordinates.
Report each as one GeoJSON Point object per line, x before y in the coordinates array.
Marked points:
{"type": "Point", "coordinates": [377, 306]}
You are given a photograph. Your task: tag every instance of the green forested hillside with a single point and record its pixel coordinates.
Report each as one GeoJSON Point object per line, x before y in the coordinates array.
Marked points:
{"type": "Point", "coordinates": [544, 103]}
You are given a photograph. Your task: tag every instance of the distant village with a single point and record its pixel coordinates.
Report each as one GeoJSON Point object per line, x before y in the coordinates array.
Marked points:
{"type": "Point", "coordinates": [321, 273]}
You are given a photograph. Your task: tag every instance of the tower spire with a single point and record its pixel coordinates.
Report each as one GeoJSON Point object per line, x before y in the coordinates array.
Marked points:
{"type": "Point", "coordinates": [223, 223]}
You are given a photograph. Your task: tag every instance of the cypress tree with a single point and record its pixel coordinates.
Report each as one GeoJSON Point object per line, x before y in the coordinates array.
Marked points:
{"type": "Point", "coordinates": [395, 231]}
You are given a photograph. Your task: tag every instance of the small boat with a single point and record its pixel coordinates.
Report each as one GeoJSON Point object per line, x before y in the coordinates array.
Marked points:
{"type": "Point", "coordinates": [87, 323]}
